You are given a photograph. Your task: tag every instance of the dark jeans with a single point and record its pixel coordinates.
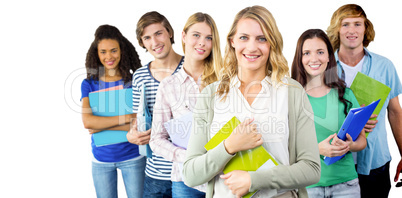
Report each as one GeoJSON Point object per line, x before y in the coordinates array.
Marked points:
{"type": "Point", "coordinates": [155, 188]}
{"type": "Point", "coordinates": [180, 190]}
{"type": "Point", "coordinates": [377, 184]}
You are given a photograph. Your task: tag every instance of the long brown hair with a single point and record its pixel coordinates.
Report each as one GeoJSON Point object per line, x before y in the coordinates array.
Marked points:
{"type": "Point", "coordinates": [331, 78]}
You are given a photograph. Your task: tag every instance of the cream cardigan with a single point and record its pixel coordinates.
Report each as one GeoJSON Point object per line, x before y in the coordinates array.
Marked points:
{"type": "Point", "coordinates": [201, 166]}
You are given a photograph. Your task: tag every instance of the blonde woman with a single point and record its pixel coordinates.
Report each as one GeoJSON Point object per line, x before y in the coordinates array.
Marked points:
{"type": "Point", "coordinates": [177, 94]}
{"type": "Point", "coordinates": [274, 111]}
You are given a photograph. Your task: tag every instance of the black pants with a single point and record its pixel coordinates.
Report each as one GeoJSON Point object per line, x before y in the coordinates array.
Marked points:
{"type": "Point", "coordinates": [377, 184]}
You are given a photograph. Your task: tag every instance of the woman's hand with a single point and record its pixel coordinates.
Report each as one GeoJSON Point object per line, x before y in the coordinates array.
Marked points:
{"type": "Point", "coordinates": [92, 131]}
{"type": "Point", "coordinates": [338, 142]}
{"type": "Point", "coordinates": [359, 144]}
{"type": "Point", "coordinates": [238, 182]}
{"type": "Point", "coordinates": [337, 148]}
{"type": "Point", "coordinates": [245, 136]}
{"type": "Point", "coordinates": [125, 127]}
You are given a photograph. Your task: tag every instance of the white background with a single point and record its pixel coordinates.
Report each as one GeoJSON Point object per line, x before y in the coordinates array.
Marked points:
{"type": "Point", "coordinates": [45, 150]}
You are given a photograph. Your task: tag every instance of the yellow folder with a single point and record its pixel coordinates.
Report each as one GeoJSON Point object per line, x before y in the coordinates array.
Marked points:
{"type": "Point", "coordinates": [248, 160]}
{"type": "Point", "coordinates": [368, 90]}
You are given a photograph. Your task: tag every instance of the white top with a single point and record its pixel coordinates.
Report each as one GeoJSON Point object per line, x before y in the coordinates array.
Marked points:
{"type": "Point", "coordinates": [176, 97]}
{"type": "Point", "coordinates": [350, 74]}
{"type": "Point", "coordinates": [351, 71]}
{"type": "Point", "coordinates": [270, 112]}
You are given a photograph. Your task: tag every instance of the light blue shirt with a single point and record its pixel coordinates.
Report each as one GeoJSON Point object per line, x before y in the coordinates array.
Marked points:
{"type": "Point", "coordinates": [376, 154]}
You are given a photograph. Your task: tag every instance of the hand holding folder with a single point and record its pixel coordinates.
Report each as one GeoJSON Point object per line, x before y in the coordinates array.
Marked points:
{"type": "Point", "coordinates": [179, 129]}
{"type": "Point", "coordinates": [249, 160]}
{"type": "Point", "coordinates": [368, 90]}
{"type": "Point", "coordinates": [144, 121]}
{"type": "Point", "coordinates": [353, 125]}
{"type": "Point", "coordinates": [111, 102]}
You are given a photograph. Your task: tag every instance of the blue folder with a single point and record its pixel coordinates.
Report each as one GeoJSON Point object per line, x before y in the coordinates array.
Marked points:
{"type": "Point", "coordinates": [353, 125]}
{"type": "Point", "coordinates": [111, 103]}
{"type": "Point", "coordinates": [144, 121]}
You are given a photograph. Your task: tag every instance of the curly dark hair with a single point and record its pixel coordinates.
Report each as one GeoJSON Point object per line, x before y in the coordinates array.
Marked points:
{"type": "Point", "coordinates": [331, 78]}
{"type": "Point", "coordinates": [129, 59]}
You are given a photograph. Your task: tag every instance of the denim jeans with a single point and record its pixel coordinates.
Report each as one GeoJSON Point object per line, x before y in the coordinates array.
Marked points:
{"type": "Point", "coordinates": [343, 190]}
{"type": "Point", "coordinates": [155, 188]}
{"type": "Point", "coordinates": [180, 190]}
{"type": "Point", "coordinates": [105, 177]}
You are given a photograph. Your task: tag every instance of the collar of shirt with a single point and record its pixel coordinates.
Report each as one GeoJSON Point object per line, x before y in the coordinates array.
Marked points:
{"type": "Point", "coordinates": [366, 67]}
{"type": "Point", "coordinates": [183, 76]}
{"type": "Point", "coordinates": [266, 83]}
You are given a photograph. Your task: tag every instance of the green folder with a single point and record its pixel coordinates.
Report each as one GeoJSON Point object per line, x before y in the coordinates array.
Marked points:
{"type": "Point", "coordinates": [222, 134]}
{"type": "Point", "coordinates": [249, 160]}
{"type": "Point", "coordinates": [368, 90]}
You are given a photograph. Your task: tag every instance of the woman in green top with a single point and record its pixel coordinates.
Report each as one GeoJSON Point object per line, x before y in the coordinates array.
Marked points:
{"type": "Point", "coordinates": [314, 67]}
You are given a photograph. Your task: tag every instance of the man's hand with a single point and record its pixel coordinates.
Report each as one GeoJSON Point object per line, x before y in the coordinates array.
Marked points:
{"type": "Point", "coordinates": [136, 137]}
{"type": "Point", "coordinates": [370, 125]}
{"type": "Point", "coordinates": [398, 170]}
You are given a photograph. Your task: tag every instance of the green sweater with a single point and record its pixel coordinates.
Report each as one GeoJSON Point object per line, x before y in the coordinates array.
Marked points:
{"type": "Point", "coordinates": [201, 166]}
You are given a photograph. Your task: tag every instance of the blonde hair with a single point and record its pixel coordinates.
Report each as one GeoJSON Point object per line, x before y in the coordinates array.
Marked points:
{"type": "Point", "coordinates": [213, 63]}
{"type": "Point", "coordinates": [277, 66]}
{"type": "Point", "coordinates": [349, 11]}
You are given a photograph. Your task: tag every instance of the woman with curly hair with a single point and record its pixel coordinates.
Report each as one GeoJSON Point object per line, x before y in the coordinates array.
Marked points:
{"type": "Point", "coordinates": [110, 62]}
{"type": "Point", "coordinates": [273, 110]}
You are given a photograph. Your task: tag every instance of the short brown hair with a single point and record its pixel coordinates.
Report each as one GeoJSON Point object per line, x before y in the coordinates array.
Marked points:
{"type": "Point", "coordinates": [150, 18]}
{"type": "Point", "coordinates": [349, 11]}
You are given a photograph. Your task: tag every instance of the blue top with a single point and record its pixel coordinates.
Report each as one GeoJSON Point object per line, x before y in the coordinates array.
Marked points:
{"type": "Point", "coordinates": [114, 152]}
{"type": "Point", "coordinates": [376, 154]}
{"type": "Point", "coordinates": [157, 167]}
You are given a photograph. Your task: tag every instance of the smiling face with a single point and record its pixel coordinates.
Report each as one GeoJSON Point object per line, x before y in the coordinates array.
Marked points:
{"type": "Point", "coordinates": [198, 41]}
{"type": "Point", "coordinates": [156, 40]}
{"type": "Point", "coordinates": [315, 57]}
{"type": "Point", "coordinates": [251, 47]}
{"type": "Point", "coordinates": [109, 53]}
{"type": "Point", "coordinates": [351, 33]}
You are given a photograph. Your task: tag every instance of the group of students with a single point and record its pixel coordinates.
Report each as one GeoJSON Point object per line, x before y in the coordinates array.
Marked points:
{"type": "Point", "coordinates": [294, 118]}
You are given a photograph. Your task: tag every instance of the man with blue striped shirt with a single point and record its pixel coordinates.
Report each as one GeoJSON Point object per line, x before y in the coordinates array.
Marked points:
{"type": "Point", "coordinates": [155, 34]}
